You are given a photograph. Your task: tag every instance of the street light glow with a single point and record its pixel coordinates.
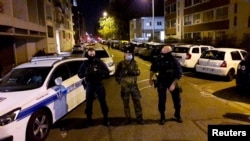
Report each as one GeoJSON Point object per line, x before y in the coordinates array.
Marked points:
{"type": "Point", "coordinates": [105, 14]}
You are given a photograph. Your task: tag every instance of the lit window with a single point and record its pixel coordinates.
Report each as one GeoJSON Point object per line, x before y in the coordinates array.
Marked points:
{"type": "Point", "coordinates": [148, 24]}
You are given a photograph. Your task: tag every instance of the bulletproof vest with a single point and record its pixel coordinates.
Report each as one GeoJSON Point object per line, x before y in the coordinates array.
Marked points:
{"type": "Point", "coordinates": [166, 69]}
{"type": "Point", "coordinates": [93, 71]}
{"type": "Point", "coordinates": [127, 79]}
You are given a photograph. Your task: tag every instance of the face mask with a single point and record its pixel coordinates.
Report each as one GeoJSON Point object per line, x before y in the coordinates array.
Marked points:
{"type": "Point", "coordinates": [91, 58]}
{"type": "Point", "coordinates": [129, 57]}
{"type": "Point", "coordinates": [166, 55]}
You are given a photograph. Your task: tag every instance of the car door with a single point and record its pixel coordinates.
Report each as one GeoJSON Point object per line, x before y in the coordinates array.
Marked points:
{"type": "Point", "coordinates": [65, 99]}
{"type": "Point", "coordinates": [79, 94]}
{"type": "Point", "coordinates": [236, 58]}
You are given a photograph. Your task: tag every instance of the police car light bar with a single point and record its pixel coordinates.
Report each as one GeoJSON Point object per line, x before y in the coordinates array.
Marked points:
{"type": "Point", "coordinates": [42, 58]}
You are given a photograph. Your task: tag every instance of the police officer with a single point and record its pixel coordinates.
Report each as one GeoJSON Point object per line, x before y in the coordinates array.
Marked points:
{"type": "Point", "coordinates": [93, 71]}
{"type": "Point", "coordinates": [169, 72]}
{"type": "Point", "coordinates": [126, 75]}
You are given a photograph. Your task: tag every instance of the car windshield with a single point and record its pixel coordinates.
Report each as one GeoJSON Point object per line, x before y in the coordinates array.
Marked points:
{"type": "Point", "coordinates": [77, 52]}
{"type": "Point", "coordinates": [24, 79]}
{"type": "Point", "coordinates": [100, 54]}
{"type": "Point", "coordinates": [180, 49]}
{"type": "Point", "coordinates": [213, 54]}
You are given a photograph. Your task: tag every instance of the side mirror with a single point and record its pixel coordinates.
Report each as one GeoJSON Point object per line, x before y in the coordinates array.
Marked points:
{"type": "Point", "coordinates": [58, 81]}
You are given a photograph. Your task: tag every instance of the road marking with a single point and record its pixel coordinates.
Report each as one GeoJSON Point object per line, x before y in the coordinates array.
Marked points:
{"type": "Point", "coordinates": [143, 63]}
{"type": "Point", "coordinates": [145, 87]}
{"type": "Point", "coordinates": [143, 80]}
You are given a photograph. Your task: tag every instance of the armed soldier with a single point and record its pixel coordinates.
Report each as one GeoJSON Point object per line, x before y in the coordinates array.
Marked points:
{"type": "Point", "coordinates": [93, 71]}
{"type": "Point", "coordinates": [126, 75]}
{"type": "Point", "coordinates": [169, 72]}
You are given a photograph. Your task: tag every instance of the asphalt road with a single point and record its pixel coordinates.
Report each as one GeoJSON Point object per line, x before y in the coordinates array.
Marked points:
{"type": "Point", "coordinates": [206, 101]}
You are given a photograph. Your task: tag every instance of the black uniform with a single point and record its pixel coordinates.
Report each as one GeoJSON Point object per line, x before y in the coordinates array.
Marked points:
{"type": "Point", "coordinates": [94, 71]}
{"type": "Point", "coordinates": [168, 69]}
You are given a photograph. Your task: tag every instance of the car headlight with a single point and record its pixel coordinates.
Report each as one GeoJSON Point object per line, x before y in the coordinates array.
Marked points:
{"type": "Point", "coordinates": [9, 117]}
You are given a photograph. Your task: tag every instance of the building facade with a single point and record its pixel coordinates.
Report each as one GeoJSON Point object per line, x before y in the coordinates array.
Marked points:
{"type": "Point", "coordinates": [27, 26]}
{"type": "Point", "coordinates": [198, 19]}
{"type": "Point", "coordinates": [141, 29]}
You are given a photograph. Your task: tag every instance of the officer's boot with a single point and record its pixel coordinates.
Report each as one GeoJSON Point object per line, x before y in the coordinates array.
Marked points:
{"type": "Point", "coordinates": [105, 120]}
{"type": "Point", "coordinates": [140, 120]}
{"type": "Point", "coordinates": [162, 119]}
{"type": "Point", "coordinates": [177, 115]}
{"type": "Point", "coordinates": [128, 117]}
{"type": "Point", "coordinates": [89, 121]}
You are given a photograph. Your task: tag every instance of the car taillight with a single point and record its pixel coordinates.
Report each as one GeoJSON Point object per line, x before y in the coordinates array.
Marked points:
{"type": "Point", "coordinates": [188, 56]}
{"type": "Point", "coordinates": [224, 64]}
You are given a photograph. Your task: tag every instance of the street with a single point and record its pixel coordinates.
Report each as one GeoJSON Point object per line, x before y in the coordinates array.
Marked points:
{"type": "Point", "coordinates": [206, 100]}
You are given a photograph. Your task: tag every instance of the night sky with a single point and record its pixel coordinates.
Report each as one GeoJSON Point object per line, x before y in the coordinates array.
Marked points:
{"type": "Point", "coordinates": [93, 9]}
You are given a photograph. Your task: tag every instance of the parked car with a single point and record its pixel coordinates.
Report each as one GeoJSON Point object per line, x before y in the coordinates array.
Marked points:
{"type": "Point", "coordinates": [137, 47]}
{"type": "Point", "coordinates": [243, 75]}
{"type": "Point", "coordinates": [106, 57]}
{"type": "Point", "coordinates": [220, 61]}
{"type": "Point", "coordinates": [36, 94]}
{"type": "Point", "coordinates": [188, 55]}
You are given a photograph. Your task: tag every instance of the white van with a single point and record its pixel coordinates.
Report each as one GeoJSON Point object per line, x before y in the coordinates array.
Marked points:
{"type": "Point", "coordinates": [188, 55]}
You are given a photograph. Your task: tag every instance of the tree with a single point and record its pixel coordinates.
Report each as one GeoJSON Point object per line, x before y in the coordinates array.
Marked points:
{"type": "Point", "coordinates": [108, 27]}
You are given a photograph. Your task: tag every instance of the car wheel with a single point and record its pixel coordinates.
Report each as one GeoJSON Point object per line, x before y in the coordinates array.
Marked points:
{"type": "Point", "coordinates": [38, 126]}
{"type": "Point", "coordinates": [230, 75]}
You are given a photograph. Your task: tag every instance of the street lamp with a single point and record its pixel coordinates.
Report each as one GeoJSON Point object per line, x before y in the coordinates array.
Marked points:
{"type": "Point", "coordinates": [153, 19]}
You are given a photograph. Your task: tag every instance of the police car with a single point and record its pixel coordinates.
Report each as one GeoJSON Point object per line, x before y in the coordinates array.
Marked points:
{"type": "Point", "coordinates": [36, 94]}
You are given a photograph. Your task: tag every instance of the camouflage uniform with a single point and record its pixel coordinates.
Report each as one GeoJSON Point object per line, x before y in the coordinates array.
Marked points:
{"type": "Point", "coordinates": [126, 75]}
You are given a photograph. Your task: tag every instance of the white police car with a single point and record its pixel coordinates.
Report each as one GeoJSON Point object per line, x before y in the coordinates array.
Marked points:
{"type": "Point", "coordinates": [36, 94]}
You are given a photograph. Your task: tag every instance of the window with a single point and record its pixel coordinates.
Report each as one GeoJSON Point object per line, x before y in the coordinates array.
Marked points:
{"type": "Point", "coordinates": [188, 20]}
{"type": "Point", "coordinates": [204, 49]}
{"type": "Point", "coordinates": [235, 8]}
{"type": "Point", "coordinates": [167, 24]}
{"type": "Point", "coordinates": [249, 21]}
{"type": "Point", "coordinates": [167, 10]}
{"type": "Point", "coordinates": [173, 8]}
{"type": "Point", "coordinates": [50, 31]}
{"type": "Point", "coordinates": [61, 71]}
{"type": "Point", "coordinates": [188, 3]}
{"type": "Point", "coordinates": [158, 23]}
{"type": "Point", "coordinates": [208, 16]}
{"type": "Point", "coordinates": [196, 18]}
{"type": "Point", "coordinates": [235, 55]}
{"type": "Point", "coordinates": [148, 24]}
{"type": "Point", "coordinates": [221, 13]}
{"type": "Point", "coordinates": [63, 32]}
{"type": "Point", "coordinates": [74, 67]}
{"type": "Point", "coordinates": [197, 1]}
{"type": "Point", "coordinates": [197, 35]}
{"type": "Point", "coordinates": [173, 23]}
{"type": "Point", "coordinates": [187, 36]}
{"type": "Point", "coordinates": [235, 21]}
{"type": "Point", "coordinates": [195, 50]}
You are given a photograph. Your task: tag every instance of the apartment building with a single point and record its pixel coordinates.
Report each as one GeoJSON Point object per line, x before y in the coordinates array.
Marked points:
{"type": "Point", "coordinates": [141, 29]}
{"type": "Point", "coordinates": [27, 26]}
{"type": "Point", "coordinates": [198, 19]}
